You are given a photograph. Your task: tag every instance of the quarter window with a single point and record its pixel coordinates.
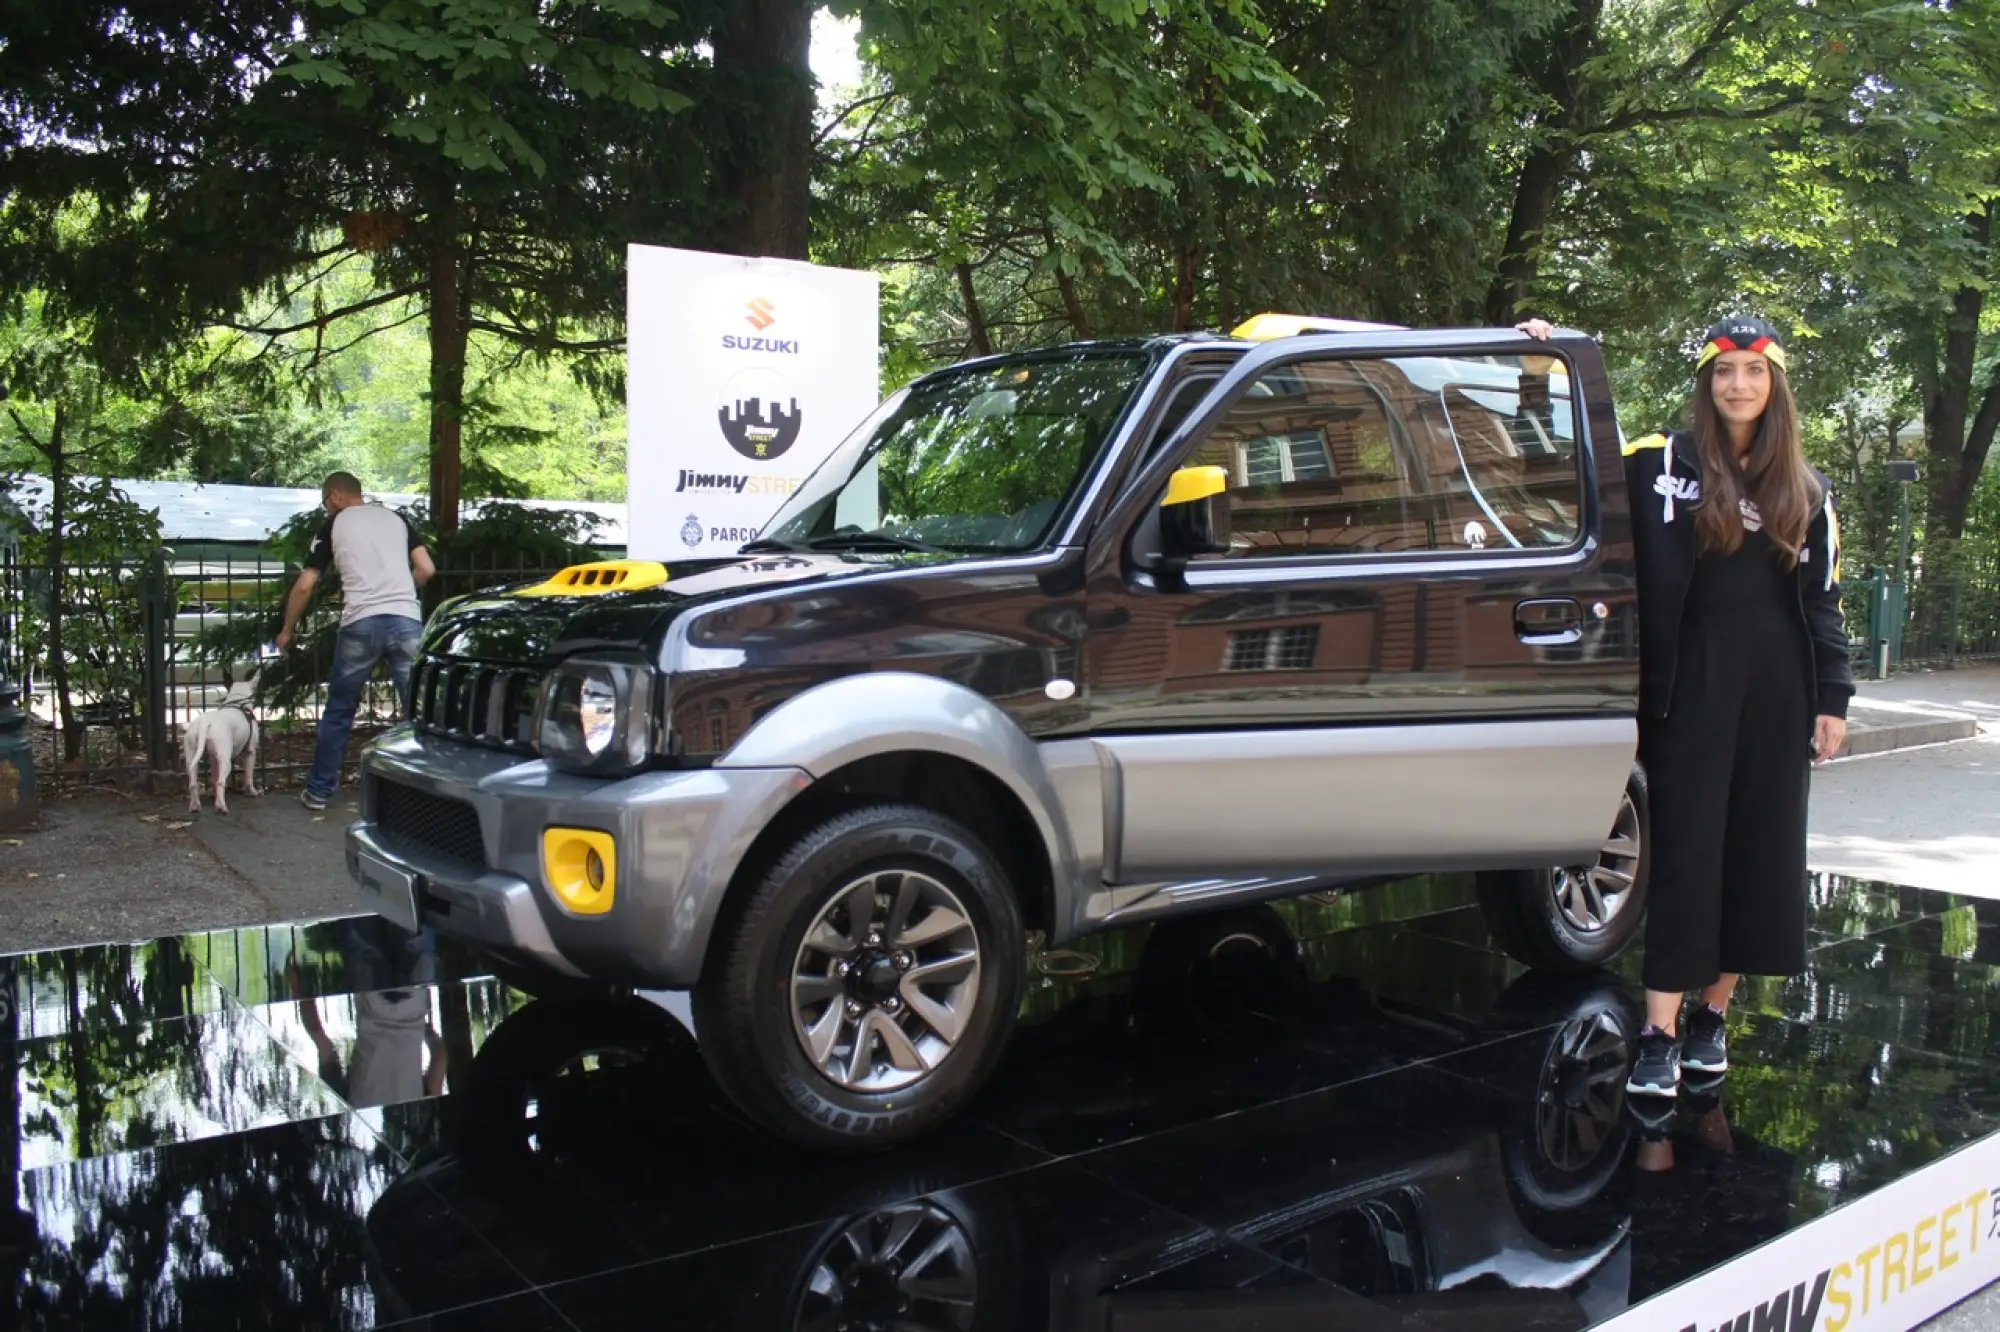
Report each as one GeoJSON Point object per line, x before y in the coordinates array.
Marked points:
{"type": "Point", "coordinates": [1401, 455]}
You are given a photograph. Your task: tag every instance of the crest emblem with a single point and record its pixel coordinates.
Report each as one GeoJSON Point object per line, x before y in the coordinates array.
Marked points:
{"type": "Point", "coordinates": [691, 531]}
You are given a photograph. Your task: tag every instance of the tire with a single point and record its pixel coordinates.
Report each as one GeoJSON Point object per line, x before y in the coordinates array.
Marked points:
{"type": "Point", "coordinates": [767, 991]}
{"type": "Point", "coordinates": [1224, 978]}
{"type": "Point", "coordinates": [1539, 917]}
{"type": "Point", "coordinates": [1566, 1144]}
{"type": "Point", "coordinates": [959, 1268]}
{"type": "Point", "coordinates": [534, 1063]}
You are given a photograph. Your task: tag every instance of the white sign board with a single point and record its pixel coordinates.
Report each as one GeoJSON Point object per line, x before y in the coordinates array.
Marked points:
{"type": "Point", "coordinates": [741, 376]}
{"type": "Point", "coordinates": [1887, 1261]}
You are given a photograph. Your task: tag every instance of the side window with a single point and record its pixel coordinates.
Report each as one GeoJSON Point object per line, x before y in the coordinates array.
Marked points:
{"type": "Point", "coordinates": [1401, 455]}
{"type": "Point", "coordinates": [1189, 393]}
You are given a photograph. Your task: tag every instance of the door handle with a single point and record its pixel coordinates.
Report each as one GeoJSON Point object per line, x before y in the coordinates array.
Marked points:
{"type": "Point", "coordinates": [1550, 622]}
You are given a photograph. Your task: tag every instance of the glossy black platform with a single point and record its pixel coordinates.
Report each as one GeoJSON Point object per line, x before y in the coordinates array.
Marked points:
{"type": "Point", "coordinates": [1350, 1114]}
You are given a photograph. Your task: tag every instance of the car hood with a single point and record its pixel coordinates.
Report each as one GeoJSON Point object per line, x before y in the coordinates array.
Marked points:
{"type": "Point", "coordinates": [501, 625]}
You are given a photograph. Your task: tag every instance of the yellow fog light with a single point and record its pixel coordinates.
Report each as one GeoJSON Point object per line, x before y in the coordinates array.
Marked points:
{"type": "Point", "coordinates": [580, 866]}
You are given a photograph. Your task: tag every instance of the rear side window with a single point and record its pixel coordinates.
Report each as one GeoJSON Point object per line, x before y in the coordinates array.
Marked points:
{"type": "Point", "coordinates": [1404, 455]}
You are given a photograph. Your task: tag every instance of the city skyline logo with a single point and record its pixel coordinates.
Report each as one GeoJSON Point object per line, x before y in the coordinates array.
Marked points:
{"type": "Point", "coordinates": [759, 430]}
{"type": "Point", "coordinates": [758, 411]}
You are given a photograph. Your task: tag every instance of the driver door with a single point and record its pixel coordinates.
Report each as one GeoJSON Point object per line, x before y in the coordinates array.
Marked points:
{"type": "Point", "coordinates": [1415, 653]}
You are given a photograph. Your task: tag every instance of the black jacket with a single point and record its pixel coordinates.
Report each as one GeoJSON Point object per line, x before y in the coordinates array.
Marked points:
{"type": "Point", "coordinates": [1663, 480]}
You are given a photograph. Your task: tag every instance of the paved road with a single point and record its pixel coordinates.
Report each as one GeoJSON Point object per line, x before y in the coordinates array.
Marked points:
{"type": "Point", "coordinates": [1927, 817]}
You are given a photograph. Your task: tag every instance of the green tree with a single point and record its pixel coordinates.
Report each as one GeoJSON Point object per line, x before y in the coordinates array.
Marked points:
{"type": "Point", "coordinates": [1006, 146]}
{"type": "Point", "coordinates": [492, 157]}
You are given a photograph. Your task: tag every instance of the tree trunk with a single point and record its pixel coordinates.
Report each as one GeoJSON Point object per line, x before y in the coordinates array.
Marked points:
{"type": "Point", "coordinates": [1072, 300]}
{"type": "Point", "coordinates": [449, 334]}
{"type": "Point", "coordinates": [59, 481]}
{"type": "Point", "coordinates": [1559, 77]}
{"type": "Point", "coordinates": [1187, 263]}
{"type": "Point", "coordinates": [1535, 197]}
{"type": "Point", "coordinates": [975, 319]}
{"type": "Point", "coordinates": [762, 53]}
{"type": "Point", "coordinates": [1955, 438]}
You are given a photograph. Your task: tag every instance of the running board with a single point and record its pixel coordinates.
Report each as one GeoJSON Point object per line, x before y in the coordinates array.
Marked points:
{"type": "Point", "coordinates": [1127, 903]}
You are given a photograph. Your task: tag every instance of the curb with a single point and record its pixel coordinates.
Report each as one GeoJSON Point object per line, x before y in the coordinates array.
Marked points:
{"type": "Point", "coordinates": [1907, 735]}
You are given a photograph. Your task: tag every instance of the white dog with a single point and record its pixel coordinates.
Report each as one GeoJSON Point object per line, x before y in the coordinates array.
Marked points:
{"type": "Point", "coordinates": [225, 732]}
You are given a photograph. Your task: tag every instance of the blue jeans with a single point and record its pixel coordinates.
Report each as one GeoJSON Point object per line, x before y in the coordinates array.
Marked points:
{"type": "Point", "coordinates": [356, 649]}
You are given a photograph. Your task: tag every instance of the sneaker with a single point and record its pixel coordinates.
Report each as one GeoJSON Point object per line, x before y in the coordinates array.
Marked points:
{"type": "Point", "coordinates": [1657, 1070]}
{"type": "Point", "coordinates": [1702, 1092]}
{"type": "Point", "coordinates": [1653, 1114]}
{"type": "Point", "coordinates": [1706, 1046]}
{"type": "Point", "coordinates": [311, 801]}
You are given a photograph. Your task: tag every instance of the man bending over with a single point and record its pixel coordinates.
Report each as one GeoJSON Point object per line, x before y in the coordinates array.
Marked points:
{"type": "Point", "coordinates": [382, 563]}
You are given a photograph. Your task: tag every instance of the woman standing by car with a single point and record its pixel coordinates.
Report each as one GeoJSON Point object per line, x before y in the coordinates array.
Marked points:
{"type": "Point", "coordinates": [1744, 683]}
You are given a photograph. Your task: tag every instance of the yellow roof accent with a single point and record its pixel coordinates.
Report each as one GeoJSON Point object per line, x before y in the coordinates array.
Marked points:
{"type": "Point", "coordinates": [1656, 440]}
{"type": "Point", "coordinates": [590, 580]}
{"type": "Point", "coordinates": [1266, 327]}
{"type": "Point", "coordinates": [1195, 483]}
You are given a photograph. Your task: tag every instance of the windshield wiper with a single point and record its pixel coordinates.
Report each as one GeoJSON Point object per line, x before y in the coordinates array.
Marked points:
{"type": "Point", "coordinates": [765, 545]}
{"type": "Point", "coordinates": [875, 541]}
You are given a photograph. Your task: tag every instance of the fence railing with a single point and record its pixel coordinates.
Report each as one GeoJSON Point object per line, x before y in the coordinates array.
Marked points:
{"type": "Point", "coordinates": [1939, 622]}
{"type": "Point", "coordinates": [147, 645]}
{"type": "Point", "coordinates": [1952, 623]}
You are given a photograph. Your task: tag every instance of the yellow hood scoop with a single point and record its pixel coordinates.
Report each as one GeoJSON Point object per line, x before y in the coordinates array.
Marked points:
{"type": "Point", "coordinates": [589, 580]}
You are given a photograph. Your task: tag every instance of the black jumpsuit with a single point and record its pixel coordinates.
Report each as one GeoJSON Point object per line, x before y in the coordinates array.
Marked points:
{"type": "Point", "coordinates": [1729, 768]}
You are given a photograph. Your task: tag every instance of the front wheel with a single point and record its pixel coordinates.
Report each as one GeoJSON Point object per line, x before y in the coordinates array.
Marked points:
{"type": "Point", "coordinates": [865, 984]}
{"type": "Point", "coordinates": [1579, 917]}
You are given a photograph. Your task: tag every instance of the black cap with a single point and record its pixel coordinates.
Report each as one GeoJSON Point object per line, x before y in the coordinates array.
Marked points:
{"type": "Point", "coordinates": [1742, 333]}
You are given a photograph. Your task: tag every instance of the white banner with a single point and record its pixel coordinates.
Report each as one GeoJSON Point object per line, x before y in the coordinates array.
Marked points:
{"type": "Point", "coordinates": [1888, 1260]}
{"type": "Point", "coordinates": [741, 376]}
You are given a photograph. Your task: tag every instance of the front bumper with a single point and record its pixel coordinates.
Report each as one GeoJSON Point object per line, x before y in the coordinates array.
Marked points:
{"type": "Point", "coordinates": [680, 837]}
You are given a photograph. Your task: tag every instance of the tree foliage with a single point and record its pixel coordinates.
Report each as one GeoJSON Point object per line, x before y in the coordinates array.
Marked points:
{"type": "Point", "coordinates": [334, 180]}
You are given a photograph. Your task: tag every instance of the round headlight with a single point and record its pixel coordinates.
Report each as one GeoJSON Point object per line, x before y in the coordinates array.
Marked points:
{"type": "Point", "coordinates": [597, 713]}
{"type": "Point", "coordinates": [595, 716]}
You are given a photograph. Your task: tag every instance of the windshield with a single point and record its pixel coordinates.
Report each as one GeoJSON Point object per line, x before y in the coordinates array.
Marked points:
{"type": "Point", "coordinates": [979, 460]}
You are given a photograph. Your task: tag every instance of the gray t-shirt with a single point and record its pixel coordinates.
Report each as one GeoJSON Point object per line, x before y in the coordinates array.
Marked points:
{"type": "Point", "coordinates": [371, 546]}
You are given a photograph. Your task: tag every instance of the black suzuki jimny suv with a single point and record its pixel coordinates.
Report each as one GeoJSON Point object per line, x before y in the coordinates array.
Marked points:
{"type": "Point", "coordinates": [1054, 642]}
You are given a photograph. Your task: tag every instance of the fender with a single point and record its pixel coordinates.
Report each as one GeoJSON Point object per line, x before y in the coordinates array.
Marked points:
{"type": "Point", "coordinates": [885, 712]}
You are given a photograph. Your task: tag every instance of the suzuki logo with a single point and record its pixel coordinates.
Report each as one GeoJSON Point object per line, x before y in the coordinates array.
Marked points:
{"type": "Point", "coordinates": [762, 314]}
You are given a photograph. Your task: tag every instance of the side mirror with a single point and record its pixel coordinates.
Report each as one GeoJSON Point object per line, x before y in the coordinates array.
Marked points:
{"type": "Point", "coordinates": [1194, 513]}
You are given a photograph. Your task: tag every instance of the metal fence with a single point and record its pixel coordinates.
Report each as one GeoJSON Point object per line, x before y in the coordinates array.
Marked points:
{"type": "Point", "coordinates": [1952, 624]}
{"type": "Point", "coordinates": [147, 645]}
{"type": "Point", "coordinates": [1930, 623]}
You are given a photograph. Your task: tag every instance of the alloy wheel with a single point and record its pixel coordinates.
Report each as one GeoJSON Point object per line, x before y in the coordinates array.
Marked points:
{"type": "Point", "coordinates": [1590, 896]}
{"type": "Point", "coordinates": [885, 981]}
{"type": "Point", "coordinates": [1582, 1089]}
{"type": "Point", "coordinates": [910, 1267]}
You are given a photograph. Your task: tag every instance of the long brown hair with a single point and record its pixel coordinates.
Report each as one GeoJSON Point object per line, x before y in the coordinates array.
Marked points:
{"type": "Point", "coordinates": [1774, 475]}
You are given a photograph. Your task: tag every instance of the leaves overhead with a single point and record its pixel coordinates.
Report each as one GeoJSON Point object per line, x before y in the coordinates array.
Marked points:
{"type": "Point", "coordinates": [1021, 172]}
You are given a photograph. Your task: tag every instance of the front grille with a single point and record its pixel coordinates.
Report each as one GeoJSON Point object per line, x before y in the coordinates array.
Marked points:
{"type": "Point", "coordinates": [467, 700]}
{"type": "Point", "coordinates": [417, 822]}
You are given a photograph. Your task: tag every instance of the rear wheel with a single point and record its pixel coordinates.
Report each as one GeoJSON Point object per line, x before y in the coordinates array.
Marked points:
{"type": "Point", "coordinates": [1567, 1145]}
{"type": "Point", "coordinates": [1578, 917]}
{"type": "Point", "coordinates": [864, 986]}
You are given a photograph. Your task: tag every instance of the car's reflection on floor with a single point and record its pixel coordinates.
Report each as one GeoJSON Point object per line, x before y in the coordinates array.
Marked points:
{"type": "Point", "coordinates": [1209, 1138]}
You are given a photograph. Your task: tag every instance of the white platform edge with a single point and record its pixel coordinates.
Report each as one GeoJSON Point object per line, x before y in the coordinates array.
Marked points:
{"type": "Point", "coordinates": [1817, 1270]}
